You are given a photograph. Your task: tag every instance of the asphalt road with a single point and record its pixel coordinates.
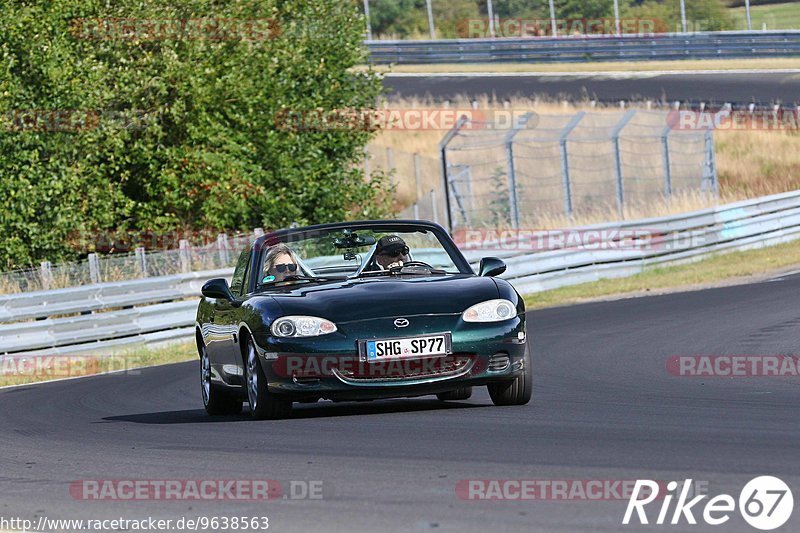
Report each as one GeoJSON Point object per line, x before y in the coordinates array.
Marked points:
{"type": "Point", "coordinates": [605, 408]}
{"type": "Point", "coordinates": [713, 87]}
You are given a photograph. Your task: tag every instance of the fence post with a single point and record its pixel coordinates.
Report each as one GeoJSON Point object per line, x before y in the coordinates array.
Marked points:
{"type": "Point", "coordinates": [390, 167]}
{"type": "Point", "coordinates": [94, 268]}
{"type": "Point", "coordinates": [711, 163]}
{"type": "Point", "coordinates": [366, 16]}
{"type": "Point", "coordinates": [683, 16]}
{"type": "Point", "coordinates": [46, 274]}
{"type": "Point", "coordinates": [418, 193]}
{"type": "Point", "coordinates": [457, 194]}
{"type": "Point", "coordinates": [430, 19]}
{"type": "Point", "coordinates": [667, 170]}
{"type": "Point", "coordinates": [445, 177]}
{"type": "Point", "coordinates": [434, 208]}
{"type": "Point", "coordinates": [470, 196]}
{"type": "Point", "coordinates": [618, 160]}
{"type": "Point", "coordinates": [562, 140]}
{"type": "Point", "coordinates": [512, 178]}
{"type": "Point", "coordinates": [389, 159]}
{"type": "Point", "coordinates": [366, 163]}
{"type": "Point", "coordinates": [141, 261]}
{"type": "Point", "coordinates": [186, 260]}
{"type": "Point", "coordinates": [224, 250]}
{"type": "Point", "coordinates": [490, 12]}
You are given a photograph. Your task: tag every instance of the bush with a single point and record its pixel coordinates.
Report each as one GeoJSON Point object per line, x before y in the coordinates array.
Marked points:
{"type": "Point", "coordinates": [203, 149]}
{"type": "Point", "coordinates": [398, 19]}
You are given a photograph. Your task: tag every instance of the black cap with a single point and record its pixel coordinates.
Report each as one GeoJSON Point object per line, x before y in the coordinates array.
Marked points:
{"type": "Point", "coordinates": [392, 245]}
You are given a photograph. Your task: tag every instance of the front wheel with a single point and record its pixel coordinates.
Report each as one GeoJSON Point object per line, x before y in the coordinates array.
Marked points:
{"type": "Point", "coordinates": [263, 404]}
{"type": "Point", "coordinates": [519, 390]}
{"type": "Point", "coordinates": [215, 400]}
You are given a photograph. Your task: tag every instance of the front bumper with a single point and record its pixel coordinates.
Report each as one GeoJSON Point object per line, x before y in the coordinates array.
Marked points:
{"type": "Point", "coordinates": [329, 366]}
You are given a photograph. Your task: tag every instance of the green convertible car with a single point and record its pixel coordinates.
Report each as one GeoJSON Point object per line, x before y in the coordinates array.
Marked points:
{"type": "Point", "coordinates": [359, 311]}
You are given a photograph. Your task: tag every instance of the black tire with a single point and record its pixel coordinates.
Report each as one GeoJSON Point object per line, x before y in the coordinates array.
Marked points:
{"type": "Point", "coordinates": [461, 393]}
{"type": "Point", "coordinates": [263, 404]}
{"type": "Point", "coordinates": [519, 390]}
{"type": "Point", "coordinates": [215, 400]}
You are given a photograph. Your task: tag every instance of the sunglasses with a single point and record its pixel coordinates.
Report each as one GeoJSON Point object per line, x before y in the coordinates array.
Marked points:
{"type": "Point", "coordinates": [395, 253]}
{"type": "Point", "coordinates": [291, 267]}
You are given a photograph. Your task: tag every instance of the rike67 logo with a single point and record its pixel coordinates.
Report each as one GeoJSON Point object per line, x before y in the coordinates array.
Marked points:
{"type": "Point", "coordinates": [765, 503]}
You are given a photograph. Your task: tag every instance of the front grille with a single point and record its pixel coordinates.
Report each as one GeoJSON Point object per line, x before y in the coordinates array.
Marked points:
{"type": "Point", "coordinates": [498, 362]}
{"type": "Point", "coordinates": [398, 370]}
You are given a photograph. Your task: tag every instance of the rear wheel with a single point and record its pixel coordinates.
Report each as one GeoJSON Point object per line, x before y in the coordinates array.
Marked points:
{"type": "Point", "coordinates": [461, 393]}
{"type": "Point", "coordinates": [519, 390]}
{"type": "Point", "coordinates": [263, 404]}
{"type": "Point", "coordinates": [215, 400]}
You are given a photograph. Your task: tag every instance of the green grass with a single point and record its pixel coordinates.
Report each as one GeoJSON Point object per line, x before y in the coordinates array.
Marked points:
{"type": "Point", "coordinates": [714, 270]}
{"type": "Point", "coordinates": [776, 16]}
{"type": "Point", "coordinates": [46, 368]}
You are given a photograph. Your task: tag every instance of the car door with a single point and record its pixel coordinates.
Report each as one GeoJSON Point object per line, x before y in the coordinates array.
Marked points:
{"type": "Point", "coordinates": [226, 324]}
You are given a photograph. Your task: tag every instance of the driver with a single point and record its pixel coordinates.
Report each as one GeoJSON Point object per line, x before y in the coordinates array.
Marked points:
{"type": "Point", "coordinates": [279, 263]}
{"type": "Point", "coordinates": [391, 251]}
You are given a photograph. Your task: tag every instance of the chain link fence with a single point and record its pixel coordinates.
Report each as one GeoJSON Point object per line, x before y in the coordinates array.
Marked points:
{"type": "Point", "coordinates": [556, 166]}
{"type": "Point", "coordinates": [537, 168]}
{"type": "Point", "coordinates": [417, 180]}
{"type": "Point", "coordinates": [98, 268]}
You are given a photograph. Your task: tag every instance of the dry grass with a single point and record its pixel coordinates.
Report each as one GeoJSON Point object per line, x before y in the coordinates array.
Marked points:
{"type": "Point", "coordinates": [756, 163]}
{"type": "Point", "coordinates": [724, 268]}
{"type": "Point", "coordinates": [749, 163]}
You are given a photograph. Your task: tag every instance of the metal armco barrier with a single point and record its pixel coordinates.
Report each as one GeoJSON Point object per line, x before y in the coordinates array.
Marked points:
{"type": "Point", "coordinates": [157, 309]}
{"type": "Point", "coordinates": [678, 239]}
{"type": "Point", "coordinates": [656, 47]}
{"type": "Point", "coordinates": [103, 315]}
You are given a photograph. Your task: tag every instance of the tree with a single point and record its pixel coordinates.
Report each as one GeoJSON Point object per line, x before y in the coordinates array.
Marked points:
{"type": "Point", "coordinates": [579, 9]}
{"type": "Point", "coordinates": [701, 15]}
{"type": "Point", "coordinates": [184, 131]}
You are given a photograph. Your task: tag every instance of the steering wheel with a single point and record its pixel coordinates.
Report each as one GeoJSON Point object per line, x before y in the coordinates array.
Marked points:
{"type": "Point", "coordinates": [418, 264]}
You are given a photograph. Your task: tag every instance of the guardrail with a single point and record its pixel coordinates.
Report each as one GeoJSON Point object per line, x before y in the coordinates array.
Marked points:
{"type": "Point", "coordinates": [660, 47]}
{"type": "Point", "coordinates": [674, 239]}
{"type": "Point", "coordinates": [103, 315]}
{"type": "Point", "coordinates": [156, 309]}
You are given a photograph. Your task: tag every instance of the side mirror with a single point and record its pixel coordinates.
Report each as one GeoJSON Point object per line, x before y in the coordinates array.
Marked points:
{"type": "Point", "coordinates": [491, 266]}
{"type": "Point", "coordinates": [217, 288]}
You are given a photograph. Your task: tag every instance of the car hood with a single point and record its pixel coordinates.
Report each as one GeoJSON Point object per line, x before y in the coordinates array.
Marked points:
{"type": "Point", "coordinates": [368, 298]}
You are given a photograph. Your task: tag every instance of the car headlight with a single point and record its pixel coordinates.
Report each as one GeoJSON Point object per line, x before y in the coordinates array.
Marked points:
{"type": "Point", "coordinates": [490, 311]}
{"type": "Point", "coordinates": [302, 326]}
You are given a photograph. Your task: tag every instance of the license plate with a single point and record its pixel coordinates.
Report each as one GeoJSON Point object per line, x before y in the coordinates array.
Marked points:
{"type": "Point", "coordinates": [422, 346]}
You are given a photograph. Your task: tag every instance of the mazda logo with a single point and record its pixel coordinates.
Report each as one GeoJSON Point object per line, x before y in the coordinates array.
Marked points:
{"type": "Point", "coordinates": [401, 322]}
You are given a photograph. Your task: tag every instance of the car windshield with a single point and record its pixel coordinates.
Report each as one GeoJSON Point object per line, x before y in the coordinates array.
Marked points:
{"type": "Point", "coordinates": [346, 252]}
